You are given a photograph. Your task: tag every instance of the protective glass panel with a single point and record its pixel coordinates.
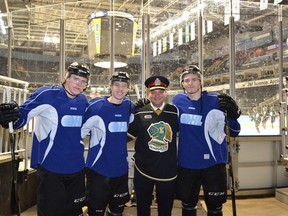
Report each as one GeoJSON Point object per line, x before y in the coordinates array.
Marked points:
{"type": "Point", "coordinates": [175, 39]}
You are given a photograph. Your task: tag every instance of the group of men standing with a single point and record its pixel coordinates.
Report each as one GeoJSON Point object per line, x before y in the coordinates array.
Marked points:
{"type": "Point", "coordinates": [173, 169]}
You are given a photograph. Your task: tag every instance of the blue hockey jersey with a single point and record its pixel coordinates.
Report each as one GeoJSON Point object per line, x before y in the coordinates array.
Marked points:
{"type": "Point", "coordinates": [108, 125]}
{"type": "Point", "coordinates": [57, 144]}
{"type": "Point", "coordinates": [202, 137]}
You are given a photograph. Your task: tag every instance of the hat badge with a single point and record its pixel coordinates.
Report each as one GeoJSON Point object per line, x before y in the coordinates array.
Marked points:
{"type": "Point", "coordinates": [157, 82]}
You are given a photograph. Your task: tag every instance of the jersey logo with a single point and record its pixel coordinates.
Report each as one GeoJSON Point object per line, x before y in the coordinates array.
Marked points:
{"type": "Point", "coordinates": [115, 127]}
{"type": "Point", "coordinates": [191, 119]}
{"type": "Point", "coordinates": [160, 134]}
{"type": "Point", "coordinates": [71, 121]}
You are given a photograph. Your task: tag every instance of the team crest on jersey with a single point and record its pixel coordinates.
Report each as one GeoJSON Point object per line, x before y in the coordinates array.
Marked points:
{"type": "Point", "coordinates": [161, 135]}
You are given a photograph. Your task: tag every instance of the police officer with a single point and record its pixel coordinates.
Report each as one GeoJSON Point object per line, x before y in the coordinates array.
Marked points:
{"type": "Point", "coordinates": [155, 126]}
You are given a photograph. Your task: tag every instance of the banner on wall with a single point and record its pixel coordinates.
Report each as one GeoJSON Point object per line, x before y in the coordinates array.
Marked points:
{"type": "Point", "coordinates": [180, 37]}
{"type": "Point", "coordinates": [94, 36]}
{"type": "Point", "coordinates": [159, 47]}
{"type": "Point", "coordinates": [164, 44]}
{"type": "Point", "coordinates": [187, 34]}
{"type": "Point", "coordinates": [154, 49]}
{"type": "Point", "coordinates": [209, 26]}
{"type": "Point", "coordinates": [171, 39]}
{"type": "Point", "coordinates": [247, 84]}
{"type": "Point", "coordinates": [263, 4]}
{"type": "Point", "coordinates": [192, 35]}
{"type": "Point", "coordinates": [97, 26]}
{"type": "Point", "coordinates": [135, 27]}
{"type": "Point", "coordinates": [235, 11]}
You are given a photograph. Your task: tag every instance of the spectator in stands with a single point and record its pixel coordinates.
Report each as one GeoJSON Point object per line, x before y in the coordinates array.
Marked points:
{"type": "Point", "coordinates": [94, 94]}
{"type": "Point", "coordinates": [179, 66]}
{"type": "Point", "coordinates": [57, 151]}
{"type": "Point", "coordinates": [104, 76]}
{"type": "Point", "coordinates": [176, 73]}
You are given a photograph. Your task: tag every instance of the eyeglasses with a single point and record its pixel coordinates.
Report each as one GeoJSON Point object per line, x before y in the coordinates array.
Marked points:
{"type": "Point", "coordinates": [77, 80]}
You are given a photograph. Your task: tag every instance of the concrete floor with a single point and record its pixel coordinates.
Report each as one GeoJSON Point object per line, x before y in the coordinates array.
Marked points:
{"type": "Point", "coordinates": [257, 207]}
{"type": "Point", "coordinates": [244, 207]}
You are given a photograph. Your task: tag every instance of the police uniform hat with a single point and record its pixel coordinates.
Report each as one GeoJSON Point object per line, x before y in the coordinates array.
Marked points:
{"type": "Point", "coordinates": [156, 82]}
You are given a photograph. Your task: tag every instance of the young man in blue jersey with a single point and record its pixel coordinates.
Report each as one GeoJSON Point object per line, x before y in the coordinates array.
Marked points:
{"type": "Point", "coordinates": [57, 150]}
{"type": "Point", "coordinates": [155, 127]}
{"type": "Point", "coordinates": [202, 148]}
{"type": "Point", "coordinates": [107, 119]}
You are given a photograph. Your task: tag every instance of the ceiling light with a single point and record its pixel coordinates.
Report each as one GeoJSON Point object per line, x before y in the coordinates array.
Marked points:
{"type": "Point", "coordinates": [103, 61]}
{"type": "Point", "coordinates": [107, 64]}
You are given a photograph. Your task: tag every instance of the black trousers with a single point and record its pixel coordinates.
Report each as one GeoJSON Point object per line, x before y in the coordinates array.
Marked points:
{"type": "Point", "coordinates": [214, 183]}
{"type": "Point", "coordinates": [165, 191]}
{"type": "Point", "coordinates": [60, 194]}
{"type": "Point", "coordinates": [103, 192]}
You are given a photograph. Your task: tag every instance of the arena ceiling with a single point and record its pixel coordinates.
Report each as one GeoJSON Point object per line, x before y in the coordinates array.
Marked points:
{"type": "Point", "coordinates": [32, 20]}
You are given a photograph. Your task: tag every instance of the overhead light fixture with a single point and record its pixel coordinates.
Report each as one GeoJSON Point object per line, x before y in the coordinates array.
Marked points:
{"type": "Point", "coordinates": [277, 2]}
{"type": "Point", "coordinates": [99, 29]}
{"type": "Point", "coordinates": [103, 61]}
{"type": "Point", "coordinates": [107, 64]}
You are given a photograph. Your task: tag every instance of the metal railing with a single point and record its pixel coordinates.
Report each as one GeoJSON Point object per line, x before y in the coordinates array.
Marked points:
{"type": "Point", "coordinates": [14, 89]}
